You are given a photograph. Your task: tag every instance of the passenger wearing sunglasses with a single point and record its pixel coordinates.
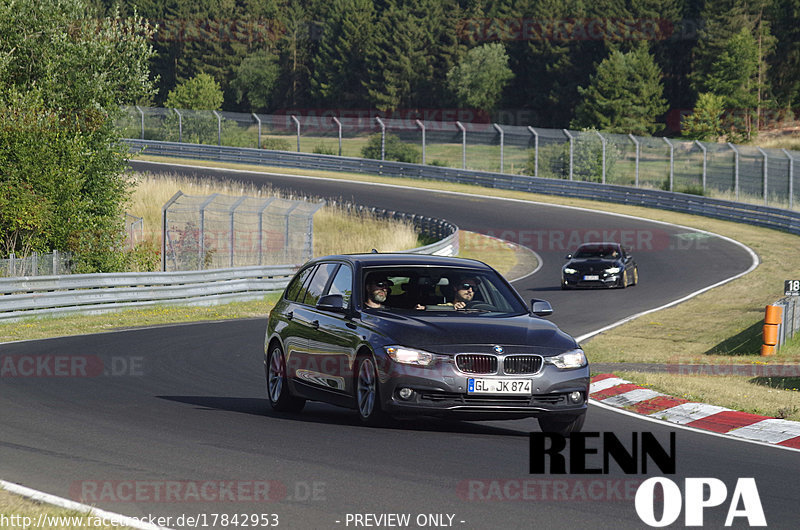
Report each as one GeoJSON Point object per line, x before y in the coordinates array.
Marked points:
{"type": "Point", "coordinates": [377, 291]}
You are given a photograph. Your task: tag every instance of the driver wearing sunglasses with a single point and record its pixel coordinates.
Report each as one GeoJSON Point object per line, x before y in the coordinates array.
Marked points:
{"type": "Point", "coordinates": [378, 287]}
{"type": "Point", "coordinates": [465, 292]}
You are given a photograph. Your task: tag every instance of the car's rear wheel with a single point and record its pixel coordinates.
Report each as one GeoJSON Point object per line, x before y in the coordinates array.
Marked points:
{"type": "Point", "coordinates": [635, 276]}
{"type": "Point", "coordinates": [563, 425]}
{"type": "Point", "coordinates": [368, 401]}
{"type": "Point", "coordinates": [280, 398]}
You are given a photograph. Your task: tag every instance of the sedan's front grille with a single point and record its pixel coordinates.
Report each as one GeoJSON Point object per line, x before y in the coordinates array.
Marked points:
{"type": "Point", "coordinates": [522, 364]}
{"type": "Point", "coordinates": [475, 363]}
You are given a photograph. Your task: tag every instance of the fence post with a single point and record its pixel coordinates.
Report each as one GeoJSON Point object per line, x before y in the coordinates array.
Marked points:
{"type": "Point", "coordinates": [636, 143]}
{"type": "Point", "coordinates": [232, 238]}
{"type": "Point", "coordinates": [502, 135]}
{"type": "Point", "coordinates": [671, 164]}
{"type": "Point", "coordinates": [535, 151]}
{"type": "Point", "coordinates": [219, 127]}
{"type": "Point", "coordinates": [297, 124]}
{"type": "Point", "coordinates": [705, 158]}
{"type": "Point", "coordinates": [180, 126]}
{"type": "Point", "coordinates": [602, 139]}
{"type": "Point", "coordinates": [735, 170]}
{"type": "Point", "coordinates": [261, 229]}
{"type": "Point", "coordinates": [201, 240]}
{"type": "Point", "coordinates": [164, 229]}
{"type": "Point", "coordinates": [463, 145]}
{"type": "Point", "coordinates": [383, 137]}
{"type": "Point", "coordinates": [571, 150]}
{"type": "Point", "coordinates": [258, 120]}
{"type": "Point", "coordinates": [791, 177]}
{"type": "Point", "coordinates": [422, 126]}
{"type": "Point", "coordinates": [55, 263]}
{"type": "Point", "coordinates": [339, 125]}
{"type": "Point", "coordinates": [765, 171]}
{"type": "Point", "coordinates": [141, 112]}
{"type": "Point", "coordinates": [35, 264]}
{"type": "Point", "coordinates": [288, 214]}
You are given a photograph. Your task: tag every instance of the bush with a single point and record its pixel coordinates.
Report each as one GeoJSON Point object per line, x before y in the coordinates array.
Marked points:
{"type": "Point", "coordinates": [321, 149]}
{"type": "Point", "coordinates": [394, 149]}
{"type": "Point", "coordinates": [275, 144]}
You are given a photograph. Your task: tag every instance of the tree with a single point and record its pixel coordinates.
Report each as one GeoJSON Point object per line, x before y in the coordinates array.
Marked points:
{"type": "Point", "coordinates": [705, 121]}
{"type": "Point", "coordinates": [201, 92]}
{"type": "Point", "coordinates": [255, 81]}
{"type": "Point", "coordinates": [479, 79]}
{"type": "Point", "coordinates": [624, 95]}
{"type": "Point", "coordinates": [64, 75]}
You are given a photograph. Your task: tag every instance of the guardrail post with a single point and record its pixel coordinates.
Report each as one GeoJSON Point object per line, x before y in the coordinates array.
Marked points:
{"type": "Point", "coordinates": [571, 150]}
{"type": "Point", "coordinates": [705, 163]}
{"type": "Point", "coordinates": [383, 137]}
{"type": "Point", "coordinates": [463, 145]}
{"type": "Point", "coordinates": [602, 139]}
{"type": "Point", "coordinates": [765, 171]}
{"type": "Point", "coordinates": [735, 169]}
{"type": "Point", "coordinates": [671, 164]}
{"type": "Point", "coordinates": [258, 120]}
{"type": "Point", "coordinates": [535, 151]}
{"type": "Point", "coordinates": [422, 127]}
{"type": "Point", "coordinates": [141, 113]}
{"type": "Point", "coordinates": [339, 125]}
{"type": "Point", "coordinates": [636, 143]}
{"type": "Point", "coordinates": [791, 177]}
{"type": "Point", "coordinates": [502, 136]}
{"type": "Point", "coordinates": [180, 126]}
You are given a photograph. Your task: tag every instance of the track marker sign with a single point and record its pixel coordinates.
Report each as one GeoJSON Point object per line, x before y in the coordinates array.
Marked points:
{"type": "Point", "coordinates": [791, 288]}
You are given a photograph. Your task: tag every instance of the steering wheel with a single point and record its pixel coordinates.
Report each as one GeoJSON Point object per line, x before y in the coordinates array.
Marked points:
{"type": "Point", "coordinates": [477, 304]}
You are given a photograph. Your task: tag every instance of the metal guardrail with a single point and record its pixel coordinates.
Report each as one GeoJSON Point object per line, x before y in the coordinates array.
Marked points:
{"type": "Point", "coordinates": [765, 216]}
{"type": "Point", "coordinates": [23, 297]}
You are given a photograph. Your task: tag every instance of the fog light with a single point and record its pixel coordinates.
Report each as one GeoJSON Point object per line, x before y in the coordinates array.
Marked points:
{"type": "Point", "coordinates": [576, 397]}
{"type": "Point", "coordinates": [406, 393]}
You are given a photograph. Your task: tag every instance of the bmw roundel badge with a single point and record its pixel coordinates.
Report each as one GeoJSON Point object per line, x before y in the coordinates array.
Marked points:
{"type": "Point", "coordinates": [498, 349]}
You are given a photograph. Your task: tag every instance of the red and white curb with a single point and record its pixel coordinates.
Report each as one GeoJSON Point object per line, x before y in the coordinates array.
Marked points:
{"type": "Point", "coordinates": [611, 390]}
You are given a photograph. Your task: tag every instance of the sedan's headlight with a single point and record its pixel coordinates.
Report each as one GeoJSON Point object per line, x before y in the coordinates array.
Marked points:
{"type": "Point", "coordinates": [404, 355]}
{"type": "Point", "coordinates": [613, 270]}
{"type": "Point", "coordinates": [569, 270]}
{"type": "Point", "coordinates": [570, 359]}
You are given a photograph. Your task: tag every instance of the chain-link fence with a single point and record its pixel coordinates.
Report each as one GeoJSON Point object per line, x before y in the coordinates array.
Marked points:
{"type": "Point", "coordinates": [737, 172]}
{"type": "Point", "coordinates": [37, 264]}
{"type": "Point", "coordinates": [219, 231]}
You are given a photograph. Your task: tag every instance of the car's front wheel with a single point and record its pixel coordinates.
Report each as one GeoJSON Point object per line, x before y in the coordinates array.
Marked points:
{"type": "Point", "coordinates": [368, 400]}
{"type": "Point", "coordinates": [624, 282]}
{"type": "Point", "coordinates": [277, 389]}
{"type": "Point", "coordinates": [563, 425]}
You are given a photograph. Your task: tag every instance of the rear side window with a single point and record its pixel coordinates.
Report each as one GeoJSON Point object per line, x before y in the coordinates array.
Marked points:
{"type": "Point", "coordinates": [316, 288]}
{"type": "Point", "coordinates": [295, 291]}
{"type": "Point", "coordinates": [343, 284]}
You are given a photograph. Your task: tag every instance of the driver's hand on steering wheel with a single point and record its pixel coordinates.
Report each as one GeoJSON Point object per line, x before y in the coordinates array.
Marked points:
{"type": "Point", "coordinates": [459, 305]}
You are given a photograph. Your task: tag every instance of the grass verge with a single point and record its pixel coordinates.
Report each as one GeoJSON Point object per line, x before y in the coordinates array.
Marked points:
{"type": "Point", "coordinates": [25, 513]}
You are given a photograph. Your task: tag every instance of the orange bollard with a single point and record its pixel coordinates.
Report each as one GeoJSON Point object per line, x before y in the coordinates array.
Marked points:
{"type": "Point", "coordinates": [767, 350]}
{"type": "Point", "coordinates": [772, 319]}
{"type": "Point", "coordinates": [773, 314]}
{"type": "Point", "coordinates": [770, 334]}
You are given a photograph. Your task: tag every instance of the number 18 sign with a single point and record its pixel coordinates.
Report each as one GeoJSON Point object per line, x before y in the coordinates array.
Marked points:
{"type": "Point", "coordinates": [791, 288]}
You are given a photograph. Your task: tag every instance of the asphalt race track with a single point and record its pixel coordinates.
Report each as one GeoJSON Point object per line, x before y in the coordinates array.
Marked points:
{"type": "Point", "coordinates": [174, 421]}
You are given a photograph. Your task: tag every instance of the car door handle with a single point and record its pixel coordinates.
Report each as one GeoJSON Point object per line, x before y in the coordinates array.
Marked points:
{"type": "Point", "coordinates": [315, 324]}
{"type": "Point", "coordinates": [290, 315]}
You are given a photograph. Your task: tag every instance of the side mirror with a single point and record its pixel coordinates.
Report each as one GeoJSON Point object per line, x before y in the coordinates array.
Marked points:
{"type": "Point", "coordinates": [332, 302]}
{"type": "Point", "coordinates": [568, 256]}
{"type": "Point", "coordinates": [541, 308]}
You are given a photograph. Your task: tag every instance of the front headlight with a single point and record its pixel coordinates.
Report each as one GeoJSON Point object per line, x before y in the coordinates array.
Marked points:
{"type": "Point", "coordinates": [613, 270]}
{"type": "Point", "coordinates": [404, 355]}
{"type": "Point", "coordinates": [569, 270]}
{"type": "Point", "coordinates": [570, 359]}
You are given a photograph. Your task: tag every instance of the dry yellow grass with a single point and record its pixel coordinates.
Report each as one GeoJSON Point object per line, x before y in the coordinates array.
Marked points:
{"type": "Point", "coordinates": [336, 231]}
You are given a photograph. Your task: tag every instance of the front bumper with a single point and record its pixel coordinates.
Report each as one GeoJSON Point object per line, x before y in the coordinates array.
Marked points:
{"type": "Point", "coordinates": [441, 390]}
{"type": "Point", "coordinates": [603, 281]}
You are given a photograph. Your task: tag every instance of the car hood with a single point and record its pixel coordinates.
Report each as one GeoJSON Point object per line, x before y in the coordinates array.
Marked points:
{"type": "Point", "coordinates": [592, 264]}
{"type": "Point", "coordinates": [450, 333]}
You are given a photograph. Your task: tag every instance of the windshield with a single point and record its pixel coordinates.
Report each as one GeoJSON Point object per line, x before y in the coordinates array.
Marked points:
{"type": "Point", "coordinates": [438, 289]}
{"type": "Point", "coordinates": [597, 251]}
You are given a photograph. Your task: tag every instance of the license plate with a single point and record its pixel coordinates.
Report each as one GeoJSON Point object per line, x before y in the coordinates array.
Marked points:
{"type": "Point", "coordinates": [499, 386]}
{"type": "Point", "coordinates": [591, 277]}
